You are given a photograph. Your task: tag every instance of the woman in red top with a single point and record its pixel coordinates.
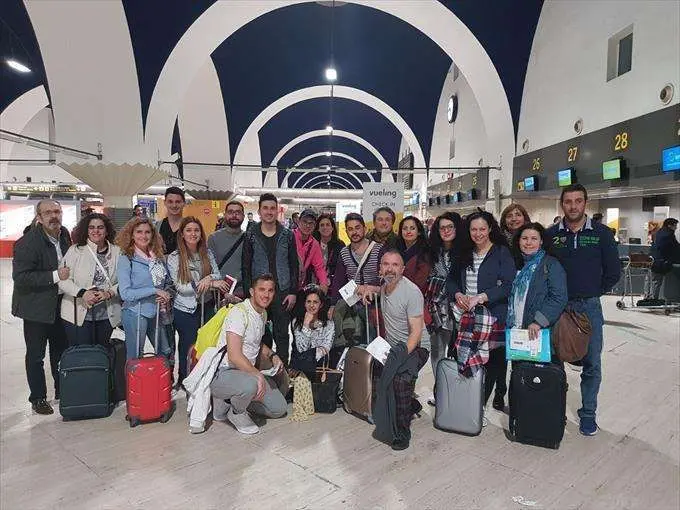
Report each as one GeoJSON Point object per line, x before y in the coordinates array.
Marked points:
{"type": "Point", "coordinates": [414, 248]}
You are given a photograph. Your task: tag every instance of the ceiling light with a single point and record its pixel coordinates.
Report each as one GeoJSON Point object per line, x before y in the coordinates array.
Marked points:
{"type": "Point", "coordinates": [329, 154]}
{"type": "Point", "coordinates": [329, 129]}
{"type": "Point", "coordinates": [17, 66]}
{"type": "Point", "coordinates": [331, 74]}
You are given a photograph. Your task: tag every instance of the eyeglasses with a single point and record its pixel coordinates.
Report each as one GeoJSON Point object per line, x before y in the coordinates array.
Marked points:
{"type": "Point", "coordinates": [446, 228]}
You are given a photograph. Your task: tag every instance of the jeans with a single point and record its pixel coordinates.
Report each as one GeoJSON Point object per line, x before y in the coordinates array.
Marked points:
{"type": "Point", "coordinates": [655, 286]}
{"type": "Point", "coordinates": [280, 318]}
{"type": "Point", "coordinates": [187, 325]}
{"type": "Point", "coordinates": [240, 388]}
{"type": "Point", "coordinates": [134, 341]}
{"type": "Point", "coordinates": [36, 336]}
{"type": "Point", "coordinates": [591, 375]}
{"type": "Point", "coordinates": [439, 343]}
{"type": "Point", "coordinates": [496, 369]}
{"type": "Point", "coordinates": [90, 333]}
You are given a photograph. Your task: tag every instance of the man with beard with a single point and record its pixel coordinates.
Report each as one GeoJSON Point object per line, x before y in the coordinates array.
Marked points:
{"type": "Point", "coordinates": [36, 270]}
{"type": "Point", "coordinates": [357, 262]}
{"type": "Point", "coordinates": [227, 245]}
{"type": "Point", "coordinates": [383, 228]}
{"type": "Point", "coordinates": [269, 248]}
{"type": "Point", "coordinates": [590, 258]}
{"type": "Point", "coordinates": [174, 206]}
{"type": "Point", "coordinates": [402, 310]}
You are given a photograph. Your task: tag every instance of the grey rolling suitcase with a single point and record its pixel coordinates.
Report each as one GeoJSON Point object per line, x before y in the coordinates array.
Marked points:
{"type": "Point", "coordinates": [459, 399]}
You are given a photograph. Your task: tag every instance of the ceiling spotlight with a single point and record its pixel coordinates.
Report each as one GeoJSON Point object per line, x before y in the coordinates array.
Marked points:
{"type": "Point", "coordinates": [329, 154]}
{"type": "Point", "coordinates": [17, 66]}
{"type": "Point", "coordinates": [329, 129]}
{"type": "Point", "coordinates": [331, 74]}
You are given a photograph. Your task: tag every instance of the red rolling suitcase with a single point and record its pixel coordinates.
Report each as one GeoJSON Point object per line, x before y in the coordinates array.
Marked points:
{"type": "Point", "coordinates": [149, 384]}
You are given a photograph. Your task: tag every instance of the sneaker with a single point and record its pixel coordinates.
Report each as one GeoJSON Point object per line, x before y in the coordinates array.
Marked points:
{"type": "Point", "coordinates": [588, 427]}
{"type": "Point", "coordinates": [430, 399]}
{"type": "Point", "coordinates": [400, 444]}
{"type": "Point", "coordinates": [199, 429]}
{"type": "Point", "coordinates": [42, 407]}
{"type": "Point", "coordinates": [242, 421]}
{"type": "Point", "coordinates": [485, 422]}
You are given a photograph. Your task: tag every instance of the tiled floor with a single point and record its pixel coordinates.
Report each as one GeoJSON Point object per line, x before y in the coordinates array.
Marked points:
{"type": "Point", "coordinates": [332, 461]}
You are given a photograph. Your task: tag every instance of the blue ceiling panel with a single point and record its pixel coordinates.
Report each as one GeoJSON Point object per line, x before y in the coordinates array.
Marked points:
{"type": "Point", "coordinates": [155, 28]}
{"type": "Point", "coordinates": [506, 31]}
{"type": "Point", "coordinates": [314, 114]}
{"type": "Point", "coordinates": [288, 49]}
{"type": "Point", "coordinates": [18, 42]}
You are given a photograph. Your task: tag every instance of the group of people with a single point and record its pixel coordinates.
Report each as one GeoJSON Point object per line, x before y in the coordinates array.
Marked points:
{"type": "Point", "coordinates": [162, 283]}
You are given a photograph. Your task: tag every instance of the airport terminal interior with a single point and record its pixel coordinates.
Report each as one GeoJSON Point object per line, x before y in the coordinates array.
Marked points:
{"type": "Point", "coordinates": [340, 108]}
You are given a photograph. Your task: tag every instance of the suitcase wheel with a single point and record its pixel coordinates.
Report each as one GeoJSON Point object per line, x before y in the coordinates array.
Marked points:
{"type": "Point", "coordinates": [164, 417]}
{"type": "Point", "coordinates": [133, 422]}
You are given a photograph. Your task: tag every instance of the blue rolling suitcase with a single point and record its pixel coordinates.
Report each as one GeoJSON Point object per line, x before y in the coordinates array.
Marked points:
{"type": "Point", "coordinates": [85, 382]}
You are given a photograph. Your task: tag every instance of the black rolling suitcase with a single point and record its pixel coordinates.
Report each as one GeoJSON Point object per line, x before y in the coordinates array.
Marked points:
{"type": "Point", "coordinates": [85, 382]}
{"type": "Point", "coordinates": [118, 359]}
{"type": "Point", "coordinates": [538, 403]}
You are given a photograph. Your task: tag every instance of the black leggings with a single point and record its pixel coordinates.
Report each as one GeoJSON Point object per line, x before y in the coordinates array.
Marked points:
{"type": "Point", "coordinates": [496, 369]}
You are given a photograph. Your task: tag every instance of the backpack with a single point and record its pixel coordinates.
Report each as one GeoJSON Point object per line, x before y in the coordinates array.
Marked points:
{"type": "Point", "coordinates": [209, 334]}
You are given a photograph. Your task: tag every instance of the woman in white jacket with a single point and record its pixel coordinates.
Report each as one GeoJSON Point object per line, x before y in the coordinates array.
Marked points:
{"type": "Point", "coordinates": [90, 307]}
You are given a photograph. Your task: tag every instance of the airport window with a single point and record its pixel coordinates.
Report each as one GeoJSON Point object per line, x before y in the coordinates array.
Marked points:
{"type": "Point", "coordinates": [620, 53]}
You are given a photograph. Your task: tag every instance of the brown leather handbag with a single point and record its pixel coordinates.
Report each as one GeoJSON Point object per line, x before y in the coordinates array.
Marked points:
{"type": "Point", "coordinates": [570, 335]}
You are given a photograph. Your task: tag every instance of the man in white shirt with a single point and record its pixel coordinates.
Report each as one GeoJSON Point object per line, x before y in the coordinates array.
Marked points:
{"type": "Point", "coordinates": [237, 378]}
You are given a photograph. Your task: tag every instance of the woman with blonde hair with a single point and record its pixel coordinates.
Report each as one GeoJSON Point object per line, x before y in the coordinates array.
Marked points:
{"type": "Point", "coordinates": [143, 281]}
{"type": "Point", "coordinates": [194, 271]}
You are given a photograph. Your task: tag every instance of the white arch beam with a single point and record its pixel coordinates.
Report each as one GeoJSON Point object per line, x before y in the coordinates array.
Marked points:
{"type": "Point", "coordinates": [431, 17]}
{"type": "Point", "coordinates": [335, 154]}
{"type": "Point", "coordinates": [245, 149]}
{"type": "Point", "coordinates": [322, 132]}
{"type": "Point", "coordinates": [354, 179]}
{"type": "Point", "coordinates": [320, 180]}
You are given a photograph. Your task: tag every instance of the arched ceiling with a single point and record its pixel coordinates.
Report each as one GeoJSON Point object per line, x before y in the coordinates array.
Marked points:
{"type": "Point", "coordinates": [288, 49]}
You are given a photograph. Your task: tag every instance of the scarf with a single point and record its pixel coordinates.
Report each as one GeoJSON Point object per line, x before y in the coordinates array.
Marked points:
{"type": "Point", "coordinates": [381, 238]}
{"type": "Point", "coordinates": [520, 288]}
{"type": "Point", "coordinates": [411, 252]}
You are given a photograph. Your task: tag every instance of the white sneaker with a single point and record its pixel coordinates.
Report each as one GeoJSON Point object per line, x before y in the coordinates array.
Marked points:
{"type": "Point", "coordinates": [485, 422]}
{"type": "Point", "coordinates": [430, 399]}
{"type": "Point", "coordinates": [243, 423]}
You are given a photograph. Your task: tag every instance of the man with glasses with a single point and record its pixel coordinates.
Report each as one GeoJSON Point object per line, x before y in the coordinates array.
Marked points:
{"type": "Point", "coordinates": [36, 270]}
{"type": "Point", "coordinates": [227, 245]}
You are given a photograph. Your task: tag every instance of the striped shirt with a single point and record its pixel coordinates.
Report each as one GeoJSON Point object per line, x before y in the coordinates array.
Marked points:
{"type": "Point", "coordinates": [471, 274]}
{"type": "Point", "coordinates": [346, 270]}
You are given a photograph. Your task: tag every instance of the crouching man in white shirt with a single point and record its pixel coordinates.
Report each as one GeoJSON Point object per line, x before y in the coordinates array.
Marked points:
{"type": "Point", "coordinates": [237, 378]}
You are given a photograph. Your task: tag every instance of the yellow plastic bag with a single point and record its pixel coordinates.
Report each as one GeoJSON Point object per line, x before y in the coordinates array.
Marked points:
{"type": "Point", "coordinates": [209, 334]}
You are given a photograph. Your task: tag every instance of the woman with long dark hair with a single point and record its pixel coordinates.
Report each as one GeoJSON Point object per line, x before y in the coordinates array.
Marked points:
{"type": "Point", "coordinates": [326, 233]}
{"type": "Point", "coordinates": [444, 240]}
{"type": "Point", "coordinates": [313, 332]}
{"type": "Point", "coordinates": [91, 306]}
{"type": "Point", "coordinates": [483, 275]}
{"type": "Point", "coordinates": [415, 250]}
{"type": "Point", "coordinates": [194, 271]}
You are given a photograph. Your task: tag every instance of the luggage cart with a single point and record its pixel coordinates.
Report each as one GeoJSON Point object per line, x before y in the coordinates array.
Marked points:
{"type": "Point", "coordinates": [639, 265]}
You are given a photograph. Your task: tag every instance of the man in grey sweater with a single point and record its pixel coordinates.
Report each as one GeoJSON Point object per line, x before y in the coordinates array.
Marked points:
{"type": "Point", "coordinates": [227, 244]}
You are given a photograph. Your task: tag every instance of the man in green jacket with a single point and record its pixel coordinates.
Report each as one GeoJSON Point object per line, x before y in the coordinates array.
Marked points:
{"type": "Point", "coordinates": [36, 269]}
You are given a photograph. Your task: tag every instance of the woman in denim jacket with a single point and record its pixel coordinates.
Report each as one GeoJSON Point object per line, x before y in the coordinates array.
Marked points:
{"type": "Point", "coordinates": [143, 283]}
{"type": "Point", "coordinates": [539, 291]}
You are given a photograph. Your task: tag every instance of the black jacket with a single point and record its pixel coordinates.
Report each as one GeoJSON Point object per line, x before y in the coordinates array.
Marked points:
{"type": "Point", "coordinates": [36, 296]}
{"type": "Point", "coordinates": [665, 250]}
{"type": "Point", "coordinates": [399, 363]}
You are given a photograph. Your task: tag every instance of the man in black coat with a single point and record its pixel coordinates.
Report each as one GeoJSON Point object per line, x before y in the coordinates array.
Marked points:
{"type": "Point", "coordinates": [666, 252]}
{"type": "Point", "coordinates": [36, 271]}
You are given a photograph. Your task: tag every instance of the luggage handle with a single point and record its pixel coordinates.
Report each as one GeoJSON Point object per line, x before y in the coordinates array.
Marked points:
{"type": "Point", "coordinates": [139, 316]}
{"type": "Point", "coordinates": [377, 321]}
